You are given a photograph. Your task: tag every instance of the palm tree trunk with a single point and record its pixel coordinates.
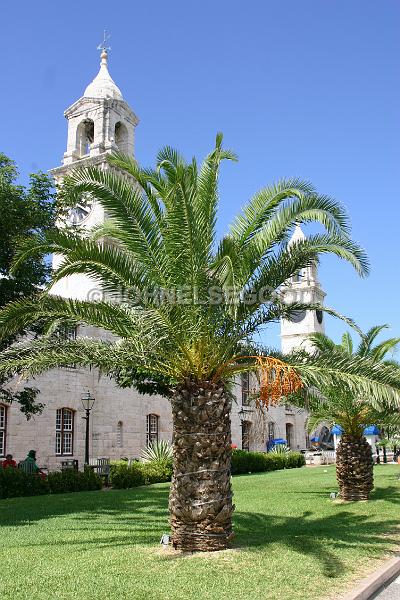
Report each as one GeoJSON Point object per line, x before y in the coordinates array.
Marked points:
{"type": "Point", "coordinates": [354, 468]}
{"type": "Point", "coordinates": [200, 501]}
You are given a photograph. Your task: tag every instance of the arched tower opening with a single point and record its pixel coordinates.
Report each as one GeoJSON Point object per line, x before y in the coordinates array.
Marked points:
{"type": "Point", "coordinates": [121, 137]}
{"type": "Point", "coordinates": [84, 137]}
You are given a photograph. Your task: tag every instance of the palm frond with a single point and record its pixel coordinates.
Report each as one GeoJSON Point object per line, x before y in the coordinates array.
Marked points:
{"type": "Point", "coordinates": [357, 376]}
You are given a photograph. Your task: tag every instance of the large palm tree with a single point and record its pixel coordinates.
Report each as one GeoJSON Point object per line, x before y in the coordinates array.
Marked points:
{"type": "Point", "coordinates": [191, 307]}
{"type": "Point", "coordinates": [338, 404]}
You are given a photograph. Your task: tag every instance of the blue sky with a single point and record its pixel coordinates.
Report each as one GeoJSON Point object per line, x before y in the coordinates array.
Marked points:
{"type": "Point", "coordinates": [308, 88]}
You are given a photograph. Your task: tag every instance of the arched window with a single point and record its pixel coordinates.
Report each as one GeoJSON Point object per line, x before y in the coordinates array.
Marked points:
{"type": "Point", "coordinates": [271, 431]}
{"type": "Point", "coordinates": [289, 434]}
{"type": "Point", "coordinates": [120, 441]}
{"type": "Point", "coordinates": [245, 381]}
{"type": "Point", "coordinates": [151, 429]}
{"type": "Point", "coordinates": [297, 277]}
{"type": "Point", "coordinates": [121, 137]}
{"type": "Point", "coordinates": [326, 438]}
{"type": "Point", "coordinates": [64, 431]}
{"type": "Point", "coordinates": [84, 137]}
{"type": "Point", "coordinates": [3, 429]}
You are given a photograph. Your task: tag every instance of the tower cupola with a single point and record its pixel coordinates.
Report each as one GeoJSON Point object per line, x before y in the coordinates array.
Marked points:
{"type": "Point", "coordinates": [100, 122]}
{"type": "Point", "coordinates": [103, 85]}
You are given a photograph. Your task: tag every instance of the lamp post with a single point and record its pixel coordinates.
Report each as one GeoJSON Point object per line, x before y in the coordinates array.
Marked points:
{"type": "Point", "coordinates": [87, 403]}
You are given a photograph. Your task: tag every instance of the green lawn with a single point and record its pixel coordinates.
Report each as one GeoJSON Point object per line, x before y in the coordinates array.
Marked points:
{"type": "Point", "coordinates": [292, 542]}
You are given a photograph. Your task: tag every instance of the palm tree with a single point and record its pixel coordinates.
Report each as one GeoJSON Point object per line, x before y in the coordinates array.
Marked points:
{"type": "Point", "coordinates": [340, 405]}
{"type": "Point", "coordinates": [190, 309]}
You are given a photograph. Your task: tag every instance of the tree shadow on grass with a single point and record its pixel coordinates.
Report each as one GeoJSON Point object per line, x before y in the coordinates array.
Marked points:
{"type": "Point", "coordinates": [389, 494]}
{"type": "Point", "coordinates": [118, 506]}
{"type": "Point", "coordinates": [308, 534]}
{"type": "Point", "coordinates": [125, 518]}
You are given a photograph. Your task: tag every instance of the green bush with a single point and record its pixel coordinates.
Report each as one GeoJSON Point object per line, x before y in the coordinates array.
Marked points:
{"type": "Point", "coordinates": [255, 462]}
{"type": "Point", "coordinates": [74, 481]}
{"type": "Point", "coordinates": [156, 471]}
{"type": "Point", "coordinates": [123, 476]}
{"type": "Point", "coordinates": [15, 482]}
{"type": "Point", "coordinates": [295, 460]}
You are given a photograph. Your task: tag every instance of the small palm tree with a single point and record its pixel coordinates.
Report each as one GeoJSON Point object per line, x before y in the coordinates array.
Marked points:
{"type": "Point", "coordinates": [160, 451]}
{"type": "Point", "coordinates": [340, 405]}
{"type": "Point", "coordinates": [191, 307]}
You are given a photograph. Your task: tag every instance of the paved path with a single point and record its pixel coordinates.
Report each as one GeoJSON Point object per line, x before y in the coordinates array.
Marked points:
{"type": "Point", "coordinates": [391, 592]}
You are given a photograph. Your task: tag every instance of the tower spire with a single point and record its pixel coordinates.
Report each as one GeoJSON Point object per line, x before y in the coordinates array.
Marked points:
{"type": "Point", "coordinates": [298, 235]}
{"type": "Point", "coordinates": [102, 85]}
{"type": "Point", "coordinates": [103, 46]}
{"type": "Point", "coordinates": [104, 49]}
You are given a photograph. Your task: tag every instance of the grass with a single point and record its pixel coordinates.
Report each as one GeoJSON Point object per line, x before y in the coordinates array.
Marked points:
{"type": "Point", "coordinates": [292, 542]}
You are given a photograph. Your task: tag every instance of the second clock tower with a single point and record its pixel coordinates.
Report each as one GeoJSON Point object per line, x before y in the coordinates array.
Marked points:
{"type": "Point", "coordinates": [303, 287]}
{"type": "Point", "coordinates": [99, 123]}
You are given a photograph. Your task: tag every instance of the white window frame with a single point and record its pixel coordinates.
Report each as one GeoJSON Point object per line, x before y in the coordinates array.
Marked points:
{"type": "Point", "coordinates": [245, 381]}
{"type": "Point", "coordinates": [152, 428]}
{"type": "Point", "coordinates": [65, 421]}
{"type": "Point", "coordinates": [3, 429]}
{"type": "Point", "coordinates": [120, 434]}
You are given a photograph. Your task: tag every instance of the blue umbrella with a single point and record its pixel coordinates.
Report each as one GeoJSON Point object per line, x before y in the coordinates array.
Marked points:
{"type": "Point", "coordinates": [371, 430]}
{"type": "Point", "coordinates": [337, 430]}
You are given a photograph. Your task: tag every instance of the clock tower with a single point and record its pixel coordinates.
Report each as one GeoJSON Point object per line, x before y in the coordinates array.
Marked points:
{"type": "Point", "coordinates": [303, 287]}
{"type": "Point", "coordinates": [99, 123]}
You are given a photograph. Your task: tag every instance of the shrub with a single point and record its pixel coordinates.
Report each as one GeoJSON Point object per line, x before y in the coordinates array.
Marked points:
{"type": "Point", "coordinates": [74, 481]}
{"type": "Point", "coordinates": [295, 460]}
{"type": "Point", "coordinates": [156, 471]}
{"type": "Point", "coordinates": [157, 451]}
{"type": "Point", "coordinates": [123, 476]}
{"type": "Point", "coordinates": [255, 462]}
{"type": "Point", "coordinates": [15, 482]}
{"type": "Point", "coordinates": [280, 449]}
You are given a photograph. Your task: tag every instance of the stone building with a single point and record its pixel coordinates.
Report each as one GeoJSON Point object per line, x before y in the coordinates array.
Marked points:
{"type": "Point", "coordinates": [123, 421]}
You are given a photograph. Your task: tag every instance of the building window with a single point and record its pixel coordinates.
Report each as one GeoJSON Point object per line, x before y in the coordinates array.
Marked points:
{"type": "Point", "coordinates": [246, 426]}
{"type": "Point", "coordinates": [68, 332]}
{"type": "Point", "coordinates": [64, 431]}
{"type": "Point", "coordinates": [151, 429]}
{"type": "Point", "coordinates": [289, 434]}
{"type": "Point", "coordinates": [119, 435]}
{"type": "Point", "coordinates": [271, 431]}
{"type": "Point", "coordinates": [297, 277]}
{"type": "Point", "coordinates": [3, 429]}
{"type": "Point", "coordinates": [245, 380]}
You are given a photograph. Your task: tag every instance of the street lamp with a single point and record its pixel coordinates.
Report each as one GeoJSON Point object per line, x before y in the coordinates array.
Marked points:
{"type": "Point", "coordinates": [87, 403]}
{"type": "Point", "coordinates": [244, 413]}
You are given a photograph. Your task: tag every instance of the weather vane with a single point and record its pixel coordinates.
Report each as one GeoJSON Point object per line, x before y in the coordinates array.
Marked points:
{"type": "Point", "coordinates": [103, 45]}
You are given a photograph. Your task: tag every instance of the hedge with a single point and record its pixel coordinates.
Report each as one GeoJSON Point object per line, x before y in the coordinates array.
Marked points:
{"type": "Point", "coordinates": [74, 481]}
{"type": "Point", "coordinates": [123, 476]}
{"type": "Point", "coordinates": [15, 482]}
{"type": "Point", "coordinates": [255, 462]}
